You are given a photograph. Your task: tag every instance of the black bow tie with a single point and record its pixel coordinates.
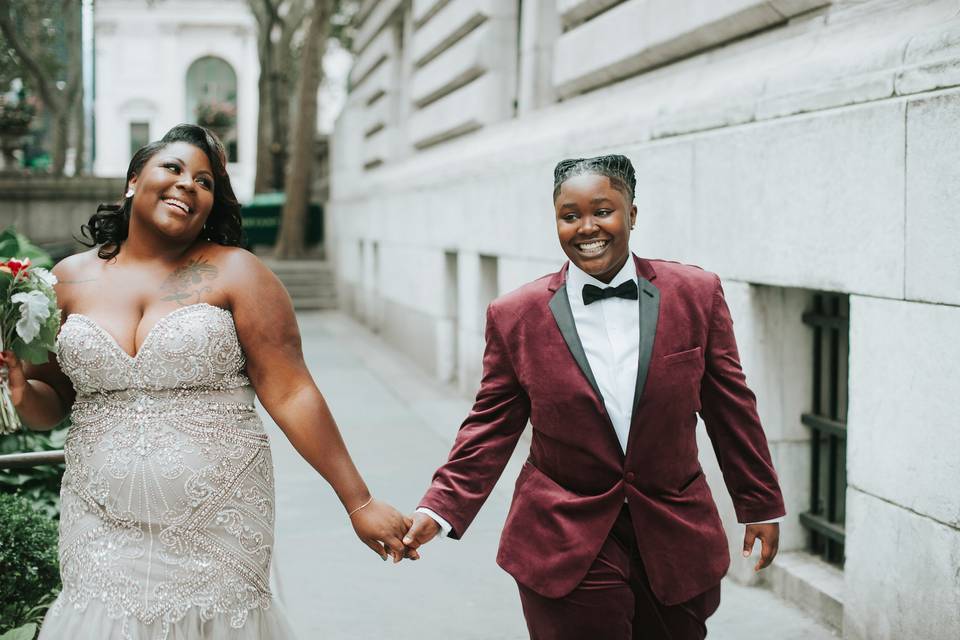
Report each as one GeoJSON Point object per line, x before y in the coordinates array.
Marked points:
{"type": "Point", "coordinates": [626, 290]}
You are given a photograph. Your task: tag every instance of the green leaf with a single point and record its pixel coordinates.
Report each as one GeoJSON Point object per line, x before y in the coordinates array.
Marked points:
{"type": "Point", "coordinates": [33, 353]}
{"type": "Point", "coordinates": [25, 632]}
{"type": "Point", "coordinates": [17, 245]}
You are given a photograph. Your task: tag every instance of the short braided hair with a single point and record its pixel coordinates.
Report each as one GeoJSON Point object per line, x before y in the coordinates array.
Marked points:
{"type": "Point", "coordinates": [618, 169]}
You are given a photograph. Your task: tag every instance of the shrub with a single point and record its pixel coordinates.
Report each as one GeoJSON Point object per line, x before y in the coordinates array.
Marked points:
{"type": "Point", "coordinates": [41, 484]}
{"type": "Point", "coordinates": [28, 561]}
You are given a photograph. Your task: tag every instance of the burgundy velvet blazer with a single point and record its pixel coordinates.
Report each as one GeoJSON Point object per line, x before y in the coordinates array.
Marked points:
{"type": "Point", "coordinates": [576, 478]}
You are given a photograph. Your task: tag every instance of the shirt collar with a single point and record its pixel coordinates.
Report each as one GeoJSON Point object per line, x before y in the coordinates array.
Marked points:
{"type": "Point", "coordinates": [576, 277]}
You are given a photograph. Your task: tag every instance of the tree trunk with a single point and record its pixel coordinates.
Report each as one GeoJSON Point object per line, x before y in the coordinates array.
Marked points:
{"type": "Point", "coordinates": [59, 140]}
{"type": "Point", "coordinates": [264, 177]}
{"type": "Point", "coordinates": [59, 102]}
{"type": "Point", "coordinates": [291, 237]}
{"type": "Point", "coordinates": [79, 135]}
{"type": "Point", "coordinates": [62, 110]}
{"type": "Point", "coordinates": [285, 73]}
{"type": "Point", "coordinates": [75, 67]}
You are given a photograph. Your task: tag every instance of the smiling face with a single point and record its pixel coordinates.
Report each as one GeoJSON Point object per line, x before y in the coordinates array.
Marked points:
{"type": "Point", "coordinates": [173, 193]}
{"type": "Point", "coordinates": [593, 224]}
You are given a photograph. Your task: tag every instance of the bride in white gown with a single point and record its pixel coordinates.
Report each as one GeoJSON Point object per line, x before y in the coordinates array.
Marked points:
{"type": "Point", "coordinates": [167, 511]}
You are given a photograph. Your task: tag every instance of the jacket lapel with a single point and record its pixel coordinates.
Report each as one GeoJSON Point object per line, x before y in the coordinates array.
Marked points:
{"type": "Point", "coordinates": [649, 315]}
{"type": "Point", "coordinates": [560, 307]}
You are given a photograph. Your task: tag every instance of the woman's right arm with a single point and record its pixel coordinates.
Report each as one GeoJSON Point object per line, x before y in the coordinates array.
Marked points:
{"type": "Point", "coordinates": [42, 394]}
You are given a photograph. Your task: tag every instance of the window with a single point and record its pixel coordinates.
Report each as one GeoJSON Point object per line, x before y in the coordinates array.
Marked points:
{"type": "Point", "coordinates": [212, 100]}
{"type": "Point", "coordinates": [827, 421]}
{"type": "Point", "coordinates": [139, 136]}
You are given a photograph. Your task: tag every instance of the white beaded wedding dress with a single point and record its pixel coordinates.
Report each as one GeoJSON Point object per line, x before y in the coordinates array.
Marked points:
{"type": "Point", "coordinates": [166, 526]}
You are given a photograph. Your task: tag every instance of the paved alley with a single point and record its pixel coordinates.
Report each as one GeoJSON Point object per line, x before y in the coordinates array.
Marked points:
{"type": "Point", "coordinates": [399, 424]}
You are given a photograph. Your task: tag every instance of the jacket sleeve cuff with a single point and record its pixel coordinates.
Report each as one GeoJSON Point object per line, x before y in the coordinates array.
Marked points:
{"type": "Point", "coordinates": [445, 526]}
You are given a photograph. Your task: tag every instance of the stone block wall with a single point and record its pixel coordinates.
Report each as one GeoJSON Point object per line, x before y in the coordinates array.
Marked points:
{"type": "Point", "coordinates": [50, 211]}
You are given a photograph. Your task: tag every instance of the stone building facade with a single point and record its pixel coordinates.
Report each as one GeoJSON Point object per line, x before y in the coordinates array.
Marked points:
{"type": "Point", "coordinates": [156, 62]}
{"type": "Point", "coordinates": [804, 150]}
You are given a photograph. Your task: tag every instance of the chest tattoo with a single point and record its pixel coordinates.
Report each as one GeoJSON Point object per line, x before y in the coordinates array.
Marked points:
{"type": "Point", "coordinates": [187, 284]}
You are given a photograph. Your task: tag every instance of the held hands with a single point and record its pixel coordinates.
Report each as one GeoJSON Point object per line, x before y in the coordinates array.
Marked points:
{"type": "Point", "coordinates": [422, 530]}
{"type": "Point", "coordinates": [380, 527]}
{"type": "Point", "coordinates": [769, 535]}
{"type": "Point", "coordinates": [15, 375]}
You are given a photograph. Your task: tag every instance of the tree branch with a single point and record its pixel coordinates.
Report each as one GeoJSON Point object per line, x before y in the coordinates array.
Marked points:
{"type": "Point", "coordinates": [49, 95]}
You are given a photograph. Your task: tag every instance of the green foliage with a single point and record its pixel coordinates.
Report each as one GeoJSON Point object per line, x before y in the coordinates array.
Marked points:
{"type": "Point", "coordinates": [40, 485]}
{"type": "Point", "coordinates": [41, 26]}
{"type": "Point", "coordinates": [15, 116]}
{"type": "Point", "coordinates": [342, 27]}
{"type": "Point", "coordinates": [17, 245]}
{"type": "Point", "coordinates": [28, 564]}
{"type": "Point", "coordinates": [216, 115]}
{"type": "Point", "coordinates": [23, 632]}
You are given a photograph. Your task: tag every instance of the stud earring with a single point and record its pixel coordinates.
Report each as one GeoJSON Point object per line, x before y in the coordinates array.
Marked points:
{"type": "Point", "coordinates": [129, 193]}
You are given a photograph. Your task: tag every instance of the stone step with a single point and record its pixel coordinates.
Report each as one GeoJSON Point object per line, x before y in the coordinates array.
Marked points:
{"type": "Point", "coordinates": [314, 303]}
{"type": "Point", "coordinates": [305, 278]}
{"type": "Point", "coordinates": [310, 283]}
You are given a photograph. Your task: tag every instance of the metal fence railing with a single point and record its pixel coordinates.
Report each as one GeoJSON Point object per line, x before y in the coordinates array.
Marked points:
{"type": "Point", "coordinates": [30, 459]}
{"type": "Point", "coordinates": [828, 426]}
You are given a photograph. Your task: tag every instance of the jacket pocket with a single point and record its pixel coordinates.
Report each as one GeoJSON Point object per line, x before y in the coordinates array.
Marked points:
{"type": "Point", "coordinates": [683, 356]}
{"type": "Point", "coordinates": [689, 483]}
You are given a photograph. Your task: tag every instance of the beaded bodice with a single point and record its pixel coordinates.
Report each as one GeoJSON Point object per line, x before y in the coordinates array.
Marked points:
{"type": "Point", "coordinates": [191, 347]}
{"type": "Point", "coordinates": [167, 500]}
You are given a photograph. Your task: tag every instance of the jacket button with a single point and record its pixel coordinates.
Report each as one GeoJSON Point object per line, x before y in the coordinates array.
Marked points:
{"type": "Point", "coordinates": [631, 476]}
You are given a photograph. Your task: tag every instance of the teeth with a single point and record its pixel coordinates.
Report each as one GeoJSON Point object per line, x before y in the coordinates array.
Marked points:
{"type": "Point", "coordinates": [591, 246]}
{"type": "Point", "coordinates": [178, 203]}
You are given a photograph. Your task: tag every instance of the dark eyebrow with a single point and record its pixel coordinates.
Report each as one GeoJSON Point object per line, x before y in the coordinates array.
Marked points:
{"type": "Point", "coordinates": [569, 205]}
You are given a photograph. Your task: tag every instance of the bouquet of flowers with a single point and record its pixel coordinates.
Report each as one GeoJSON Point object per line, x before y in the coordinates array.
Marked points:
{"type": "Point", "coordinates": [29, 322]}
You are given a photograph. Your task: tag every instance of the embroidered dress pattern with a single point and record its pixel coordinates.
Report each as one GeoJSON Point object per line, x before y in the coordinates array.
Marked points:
{"type": "Point", "coordinates": [167, 503]}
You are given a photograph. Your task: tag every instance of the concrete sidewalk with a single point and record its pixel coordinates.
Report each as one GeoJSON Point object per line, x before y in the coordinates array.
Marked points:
{"type": "Point", "coordinates": [399, 425]}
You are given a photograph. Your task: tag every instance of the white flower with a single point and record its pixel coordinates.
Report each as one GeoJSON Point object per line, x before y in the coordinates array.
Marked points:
{"type": "Point", "coordinates": [43, 276]}
{"type": "Point", "coordinates": [34, 309]}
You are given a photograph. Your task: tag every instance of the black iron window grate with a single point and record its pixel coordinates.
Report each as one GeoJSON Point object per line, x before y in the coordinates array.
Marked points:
{"type": "Point", "coordinates": [827, 422]}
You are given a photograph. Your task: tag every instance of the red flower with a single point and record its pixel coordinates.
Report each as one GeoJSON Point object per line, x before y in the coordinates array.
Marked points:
{"type": "Point", "coordinates": [16, 266]}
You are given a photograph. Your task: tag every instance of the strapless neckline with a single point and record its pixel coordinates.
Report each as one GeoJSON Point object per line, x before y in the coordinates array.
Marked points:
{"type": "Point", "coordinates": [146, 341]}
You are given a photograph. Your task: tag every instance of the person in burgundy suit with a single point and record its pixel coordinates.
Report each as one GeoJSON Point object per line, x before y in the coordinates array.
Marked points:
{"type": "Point", "coordinates": [613, 532]}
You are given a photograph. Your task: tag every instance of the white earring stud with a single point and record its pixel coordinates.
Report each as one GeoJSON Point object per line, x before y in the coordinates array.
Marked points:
{"type": "Point", "coordinates": [129, 193]}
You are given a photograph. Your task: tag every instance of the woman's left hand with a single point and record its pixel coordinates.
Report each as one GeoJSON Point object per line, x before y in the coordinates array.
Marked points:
{"type": "Point", "coordinates": [381, 527]}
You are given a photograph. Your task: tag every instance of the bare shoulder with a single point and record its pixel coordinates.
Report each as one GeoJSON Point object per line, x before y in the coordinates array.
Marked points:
{"type": "Point", "coordinates": [79, 266]}
{"type": "Point", "coordinates": [244, 277]}
{"type": "Point", "coordinates": [75, 275]}
{"type": "Point", "coordinates": [236, 264]}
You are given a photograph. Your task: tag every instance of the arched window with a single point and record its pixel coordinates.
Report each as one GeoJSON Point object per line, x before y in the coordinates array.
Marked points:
{"type": "Point", "coordinates": [212, 99]}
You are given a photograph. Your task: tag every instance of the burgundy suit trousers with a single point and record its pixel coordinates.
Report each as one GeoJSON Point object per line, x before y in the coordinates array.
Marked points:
{"type": "Point", "coordinates": [614, 601]}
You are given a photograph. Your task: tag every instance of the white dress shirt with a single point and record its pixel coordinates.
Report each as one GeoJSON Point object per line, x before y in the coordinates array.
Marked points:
{"type": "Point", "coordinates": [609, 330]}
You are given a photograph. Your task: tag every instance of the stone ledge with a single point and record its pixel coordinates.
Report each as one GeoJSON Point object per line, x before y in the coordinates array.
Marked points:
{"type": "Point", "coordinates": [381, 48]}
{"type": "Point", "coordinates": [810, 583]}
{"type": "Point", "coordinates": [723, 88]}
{"type": "Point", "coordinates": [378, 17]}
{"type": "Point", "coordinates": [576, 12]}
{"type": "Point", "coordinates": [423, 10]}
{"type": "Point", "coordinates": [49, 188]}
{"type": "Point", "coordinates": [464, 61]}
{"type": "Point", "coordinates": [454, 21]}
{"type": "Point", "coordinates": [642, 35]}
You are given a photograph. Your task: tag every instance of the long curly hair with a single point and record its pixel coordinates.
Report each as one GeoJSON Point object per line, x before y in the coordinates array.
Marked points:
{"type": "Point", "coordinates": [108, 227]}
